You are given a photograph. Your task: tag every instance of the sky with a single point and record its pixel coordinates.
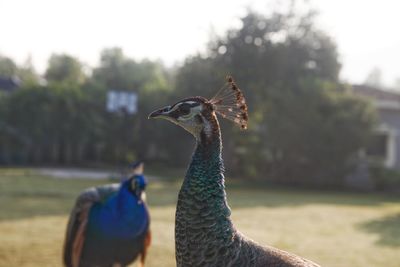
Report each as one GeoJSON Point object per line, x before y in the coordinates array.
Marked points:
{"type": "Point", "coordinates": [366, 31]}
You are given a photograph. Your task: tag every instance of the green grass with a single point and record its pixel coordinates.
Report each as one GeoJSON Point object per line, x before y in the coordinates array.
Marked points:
{"type": "Point", "coordinates": [331, 228]}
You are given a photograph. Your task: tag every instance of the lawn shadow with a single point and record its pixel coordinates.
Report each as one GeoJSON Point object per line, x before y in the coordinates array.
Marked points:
{"type": "Point", "coordinates": [388, 229]}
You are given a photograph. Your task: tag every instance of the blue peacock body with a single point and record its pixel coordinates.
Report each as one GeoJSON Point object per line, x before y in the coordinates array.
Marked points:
{"type": "Point", "coordinates": [109, 225]}
{"type": "Point", "coordinates": [204, 232]}
{"type": "Point", "coordinates": [120, 216]}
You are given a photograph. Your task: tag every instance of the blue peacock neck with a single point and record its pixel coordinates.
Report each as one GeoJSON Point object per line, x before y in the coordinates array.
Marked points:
{"type": "Point", "coordinates": [126, 200]}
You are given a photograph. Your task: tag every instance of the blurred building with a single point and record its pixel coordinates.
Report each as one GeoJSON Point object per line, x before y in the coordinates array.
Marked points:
{"type": "Point", "coordinates": [9, 84]}
{"type": "Point", "coordinates": [385, 146]}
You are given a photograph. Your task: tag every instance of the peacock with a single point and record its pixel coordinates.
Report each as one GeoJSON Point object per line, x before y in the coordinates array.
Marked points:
{"type": "Point", "coordinates": [204, 232]}
{"type": "Point", "coordinates": [109, 225]}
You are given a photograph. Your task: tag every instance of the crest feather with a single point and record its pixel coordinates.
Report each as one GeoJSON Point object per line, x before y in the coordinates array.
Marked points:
{"type": "Point", "coordinates": [229, 102]}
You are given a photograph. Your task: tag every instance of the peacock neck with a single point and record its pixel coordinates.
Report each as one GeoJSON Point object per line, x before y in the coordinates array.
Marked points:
{"type": "Point", "coordinates": [131, 210]}
{"type": "Point", "coordinates": [207, 163]}
{"type": "Point", "coordinates": [126, 200]}
{"type": "Point", "coordinates": [206, 168]}
{"type": "Point", "coordinates": [207, 158]}
{"type": "Point", "coordinates": [203, 215]}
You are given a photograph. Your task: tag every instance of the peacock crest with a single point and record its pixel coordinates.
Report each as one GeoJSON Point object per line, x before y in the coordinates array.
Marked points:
{"type": "Point", "coordinates": [230, 103]}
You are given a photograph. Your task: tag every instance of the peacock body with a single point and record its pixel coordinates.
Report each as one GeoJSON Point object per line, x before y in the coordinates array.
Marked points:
{"type": "Point", "coordinates": [204, 232]}
{"type": "Point", "coordinates": [108, 226]}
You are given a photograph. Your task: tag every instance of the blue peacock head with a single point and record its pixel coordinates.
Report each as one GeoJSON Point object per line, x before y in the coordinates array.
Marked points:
{"type": "Point", "coordinates": [138, 185]}
{"type": "Point", "coordinates": [137, 182]}
{"type": "Point", "coordinates": [197, 114]}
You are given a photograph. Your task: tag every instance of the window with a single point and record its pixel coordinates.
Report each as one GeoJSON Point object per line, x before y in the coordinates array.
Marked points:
{"type": "Point", "coordinates": [378, 146]}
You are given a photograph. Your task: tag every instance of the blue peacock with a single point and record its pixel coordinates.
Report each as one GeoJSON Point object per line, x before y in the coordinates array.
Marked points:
{"type": "Point", "coordinates": [204, 232]}
{"type": "Point", "coordinates": [109, 225]}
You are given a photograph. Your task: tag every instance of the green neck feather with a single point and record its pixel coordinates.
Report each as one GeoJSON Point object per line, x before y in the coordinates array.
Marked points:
{"type": "Point", "coordinates": [205, 178]}
{"type": "Point", "coordinates": [203, 217]}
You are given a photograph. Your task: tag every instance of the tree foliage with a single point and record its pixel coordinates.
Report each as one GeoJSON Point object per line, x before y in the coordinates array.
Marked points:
{"type": "Point", "coordinates": [118, 72]}
{"type": "Point", "coordinates": [55, 123]}
{"type": "Point", "coordinates": [305, 127]}
{"type": "Point", "coordinates": [8, 68]}
{"type": "Point", "coordinates": [26, 73]}
{"type": "Point", "coordinates": [64, 68]}
{"type": "Point", "coordinates": [66, 122]}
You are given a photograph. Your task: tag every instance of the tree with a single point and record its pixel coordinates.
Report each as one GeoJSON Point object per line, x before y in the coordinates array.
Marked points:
{"type": "Point", "coordinates": [7, 67]}
{"type": "Point", "coordinates": [27, 73]}
{"type": "Point", "coordinates": [304, 126]}
{"type": "Point", "coordinates": [129, 136]}
{"type": "Point", "coordinates": [313, 132]}
{"type": "Point", "coordinates": [118, 72]}
{"type": "Point", "coordinates": [64, 68]}
{"type": "Point", "coordinates": [64, 121]}
{"type": "Point", "coordinates": [68, 122]}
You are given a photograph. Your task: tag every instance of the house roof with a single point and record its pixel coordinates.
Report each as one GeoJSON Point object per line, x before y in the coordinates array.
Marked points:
{"type": "Point", "coordinates": [9, 83]}
{"type": "Point", "coordinates": [383, 99]}
{"type": "Point", "coordinates": [376, 93]}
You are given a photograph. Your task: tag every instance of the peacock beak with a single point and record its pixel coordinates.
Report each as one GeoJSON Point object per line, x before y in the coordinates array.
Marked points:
{"type": "Point", "coordinates": [161, 113]}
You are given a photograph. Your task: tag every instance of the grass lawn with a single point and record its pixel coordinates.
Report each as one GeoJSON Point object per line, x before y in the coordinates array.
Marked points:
{"type": "Point", "coordinates": [331, 228]}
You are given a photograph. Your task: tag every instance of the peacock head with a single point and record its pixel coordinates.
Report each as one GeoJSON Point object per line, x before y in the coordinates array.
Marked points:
{"type": "Point", "coordinates": [137, 182]}
{"type": "Point", "coordinates": [197, 114]}
{"type": "Point", "coordinates": [138, 185]}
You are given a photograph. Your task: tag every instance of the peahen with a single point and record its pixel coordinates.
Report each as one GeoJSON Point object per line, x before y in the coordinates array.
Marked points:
{"type": "Point", "coordinates": [109, 225]}
{"type": "Point", "coordinates": [204, 233]}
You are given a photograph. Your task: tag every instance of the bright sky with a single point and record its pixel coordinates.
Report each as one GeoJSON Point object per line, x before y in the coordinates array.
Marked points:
{"type": "Point", "coordinates": [367, 31]}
